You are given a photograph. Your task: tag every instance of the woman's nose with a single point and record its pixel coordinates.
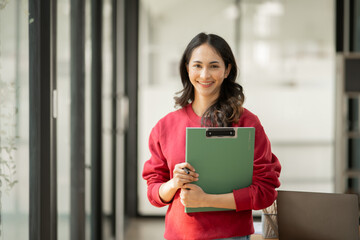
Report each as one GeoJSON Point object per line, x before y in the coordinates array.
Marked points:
{"type": "Point", "coordinates": [205, 73]}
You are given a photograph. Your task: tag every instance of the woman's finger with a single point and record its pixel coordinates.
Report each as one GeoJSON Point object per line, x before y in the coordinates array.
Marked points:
{"type": "Point", "coordinates": [185, 171]}
{"type": "Point", "coordinates": [184, 165]}
{"type": "Point", "coordinates": [188, 166]}
{"type": "Point", "coordinates": [187, 177]}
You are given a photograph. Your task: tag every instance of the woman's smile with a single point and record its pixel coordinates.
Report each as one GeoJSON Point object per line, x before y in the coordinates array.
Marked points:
{"type": "Point", "coordinates": [205, 84]}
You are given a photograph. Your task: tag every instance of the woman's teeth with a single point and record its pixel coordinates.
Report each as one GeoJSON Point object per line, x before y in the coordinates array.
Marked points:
{"type": "Point", "coordinates": [207, 83]}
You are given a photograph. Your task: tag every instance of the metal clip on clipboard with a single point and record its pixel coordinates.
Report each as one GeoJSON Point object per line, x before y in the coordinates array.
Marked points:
{"type": "Point", "coordinates": [220, 132]}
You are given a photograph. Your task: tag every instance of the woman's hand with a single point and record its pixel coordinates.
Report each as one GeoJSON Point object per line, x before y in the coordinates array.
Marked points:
{"type": "Point", "coordinates": [180, 177]}
{"type": "Point", "coordinates": [192, 195]}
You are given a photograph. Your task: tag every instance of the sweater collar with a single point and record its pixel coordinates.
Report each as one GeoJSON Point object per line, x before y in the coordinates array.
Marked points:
{"type": "Point", "coordinates": [195, 119]}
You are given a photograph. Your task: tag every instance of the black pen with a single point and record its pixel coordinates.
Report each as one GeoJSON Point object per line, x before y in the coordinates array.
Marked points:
{"type": "Point", "coordinates": [186, 170]}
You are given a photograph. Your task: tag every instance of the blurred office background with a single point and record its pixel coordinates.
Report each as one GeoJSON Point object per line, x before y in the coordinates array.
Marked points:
{"type": "Point", "coordinates": [83, 82]}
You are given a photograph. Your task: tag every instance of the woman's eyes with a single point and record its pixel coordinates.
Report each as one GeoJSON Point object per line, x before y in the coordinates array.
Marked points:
{"type": "Point", "coordinates": [199, 66]}
{"type": "Point", "coordinates": [214, 66]}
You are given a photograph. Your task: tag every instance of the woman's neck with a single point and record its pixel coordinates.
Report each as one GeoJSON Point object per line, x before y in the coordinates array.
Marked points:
{"type": "Point", "coordinates": [200, 105]}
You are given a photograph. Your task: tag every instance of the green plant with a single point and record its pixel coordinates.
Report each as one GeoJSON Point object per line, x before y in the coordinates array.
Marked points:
{"type": "Point", "coordinates": [3, 3]}
{"type": "Point", "coordinates": [8, 138]}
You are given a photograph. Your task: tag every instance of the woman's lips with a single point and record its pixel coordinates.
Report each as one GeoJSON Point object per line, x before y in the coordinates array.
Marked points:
{"type": "Point", "coordinates": [206, 84]}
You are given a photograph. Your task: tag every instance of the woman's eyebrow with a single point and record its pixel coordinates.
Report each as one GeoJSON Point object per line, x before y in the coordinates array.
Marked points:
{"type": "Point", "coordinates": [212, 62]}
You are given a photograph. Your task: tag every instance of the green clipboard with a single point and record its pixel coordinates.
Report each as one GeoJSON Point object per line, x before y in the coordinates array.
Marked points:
{"type": "Point", "coordinates": [223, 157]}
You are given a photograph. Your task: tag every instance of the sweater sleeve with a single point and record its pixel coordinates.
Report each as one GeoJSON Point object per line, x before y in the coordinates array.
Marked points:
{"type": "Point", "coordinates": [156, 171]}
{"type": "Point", "coordinates": [261, 193]}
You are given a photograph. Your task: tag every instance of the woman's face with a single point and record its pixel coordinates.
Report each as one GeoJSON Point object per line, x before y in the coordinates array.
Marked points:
{"type": "Point", "coordinates": [207, 72]}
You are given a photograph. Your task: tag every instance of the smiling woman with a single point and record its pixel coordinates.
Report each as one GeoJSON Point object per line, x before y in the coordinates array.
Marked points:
{"type": "Point", "coordinates": [210, 97]}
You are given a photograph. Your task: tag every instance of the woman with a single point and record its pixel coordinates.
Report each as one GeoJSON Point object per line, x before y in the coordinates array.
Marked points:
{"type": "Point", "coordinates": [210, 98]}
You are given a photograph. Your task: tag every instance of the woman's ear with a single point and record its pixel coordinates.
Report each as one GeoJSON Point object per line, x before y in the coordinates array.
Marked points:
{"type": "Point", "coordinates": [227, 71]}
{"type": "Point", "coordinates": [187, 67]}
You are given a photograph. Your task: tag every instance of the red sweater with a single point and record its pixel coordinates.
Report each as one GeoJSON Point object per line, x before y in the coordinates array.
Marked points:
{"type": "Point", "coordinates": [167, 147]}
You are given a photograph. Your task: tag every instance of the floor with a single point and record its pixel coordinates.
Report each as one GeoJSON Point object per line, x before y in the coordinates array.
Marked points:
{"type": "Point", "coordinates": [153, 228]}
{"type": "Point", "coordinates": [145, 228]}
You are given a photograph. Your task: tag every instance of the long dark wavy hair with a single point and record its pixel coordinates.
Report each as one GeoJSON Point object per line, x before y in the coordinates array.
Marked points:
{"type": "Point", "coordinates": [228, 107]}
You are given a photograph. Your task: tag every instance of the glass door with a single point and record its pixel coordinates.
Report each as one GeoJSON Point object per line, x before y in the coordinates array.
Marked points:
{"type": "Point", "coordinates": [98, 116]}
{"type": "Point", "coordinates": [19, 85]}
{"type": "Point", "coordinates": [14, 120]}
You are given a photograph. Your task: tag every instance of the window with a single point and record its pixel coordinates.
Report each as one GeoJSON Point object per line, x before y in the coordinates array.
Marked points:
{"type": "Point", "coordinates": [14, 120]}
